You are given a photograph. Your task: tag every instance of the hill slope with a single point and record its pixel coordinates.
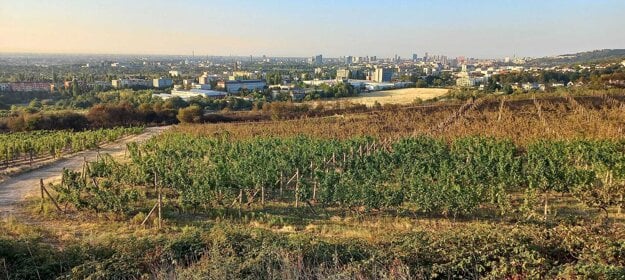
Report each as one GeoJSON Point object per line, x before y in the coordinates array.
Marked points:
{"type": "Point", "coordinates": [604, 55]}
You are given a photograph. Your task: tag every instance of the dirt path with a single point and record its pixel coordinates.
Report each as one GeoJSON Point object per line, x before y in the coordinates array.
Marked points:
{"type": "Point", "coordinates": [14, 189]}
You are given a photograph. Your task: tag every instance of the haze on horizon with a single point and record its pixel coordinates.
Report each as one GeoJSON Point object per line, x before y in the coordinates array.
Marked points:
{"type": "Point", "coordinates": [482, 28]}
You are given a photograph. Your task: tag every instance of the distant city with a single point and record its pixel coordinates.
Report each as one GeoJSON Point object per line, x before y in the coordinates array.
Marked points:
{"type": "Point", "coordinates": [219, 76]}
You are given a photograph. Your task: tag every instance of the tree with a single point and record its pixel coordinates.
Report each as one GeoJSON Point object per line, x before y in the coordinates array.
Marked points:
{"type": "Point", "coordinates": [190, 114]}
{"type": "Point", "coordinates": [76, 91]}
{"type": "Point", "coordinates": [35, 103]}
{"type": "Point", "coordinates": [175, 103]}
{"type": "Point", "coordinates": [492, 85]}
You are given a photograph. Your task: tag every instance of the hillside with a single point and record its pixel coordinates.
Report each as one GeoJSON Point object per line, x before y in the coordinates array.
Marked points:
{"type": "Point", "coordinates": [604, 55]}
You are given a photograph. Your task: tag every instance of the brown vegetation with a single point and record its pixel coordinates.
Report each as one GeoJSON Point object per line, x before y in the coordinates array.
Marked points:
{"type": "Point", "coordinates": [519, 120]}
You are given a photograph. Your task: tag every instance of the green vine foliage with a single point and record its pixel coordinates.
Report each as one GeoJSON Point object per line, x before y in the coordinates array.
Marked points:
{"type": "Point", "coordinates": [426, 174]}
{"type": "Point", "coordinates": [27, 145]}
{"type": "Point", "coordinates": [99, 195]}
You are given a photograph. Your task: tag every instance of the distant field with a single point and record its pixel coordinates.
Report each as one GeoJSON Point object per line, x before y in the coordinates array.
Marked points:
{"type": "Point", "coordinates": [398, 96]}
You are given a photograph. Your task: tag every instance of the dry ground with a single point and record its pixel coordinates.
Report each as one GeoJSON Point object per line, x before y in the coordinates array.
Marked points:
{"type": "Point", "coordinates": [15, 188]}
{"type": "Point", "coordinates": [398, 96]}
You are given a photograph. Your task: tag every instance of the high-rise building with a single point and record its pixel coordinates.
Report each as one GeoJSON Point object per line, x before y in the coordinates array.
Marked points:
{"type": "Point", "coordinates": [317, 60]}
{"type": "Point", "coordinates": [349, 59]}
{"type": "Point", "coordinates": [414, 57]}
{"type": "Point", "coordinates": [382, 75]}
{"type": "Point", "coordinates": [444, 60]}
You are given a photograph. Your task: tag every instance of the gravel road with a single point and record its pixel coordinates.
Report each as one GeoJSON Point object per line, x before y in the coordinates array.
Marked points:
{"type": "Point", "coordinates": [15, 188]}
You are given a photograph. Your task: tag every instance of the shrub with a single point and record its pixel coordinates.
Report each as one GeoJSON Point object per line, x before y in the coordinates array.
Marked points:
{"type": "Point", "coordinates": [191, 114]}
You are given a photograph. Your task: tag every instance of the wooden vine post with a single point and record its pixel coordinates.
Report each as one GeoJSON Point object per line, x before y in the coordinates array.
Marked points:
{"type": "Point", "coordinates": [262, 195]}
{"type": "Point", "coordinates": [619, 210]}
{"type": "Point", "coordinates": [42, 198]}
{"type": "Point", "coordinates": [157, 206]}
{"type": "Point", "coordinates": [44, 190]}
{"type": "Point", "coordinates": [281, 183]}
{"type": "Point", "coordinates": [296, 187]}
{"type": "Point", "coordinates": [501, 104]}
{"type": "Point", "coordinates": [312, 176]}
{"type": "Point", "coordinates": [160, 202]}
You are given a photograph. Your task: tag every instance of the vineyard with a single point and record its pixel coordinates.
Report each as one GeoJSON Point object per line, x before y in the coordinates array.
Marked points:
{"type": "Point", "coordinates": [520, 120]}
{"type": "Point", "coordinates": [494, 188]}
{"type": "Point", "coordinates": [418, 174]}
{"type": "Point", "coordinates": [26, 147]}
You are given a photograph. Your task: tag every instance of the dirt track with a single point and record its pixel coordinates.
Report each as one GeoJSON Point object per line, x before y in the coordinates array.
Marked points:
{"type": "Point", "coordinates": [14, 189]}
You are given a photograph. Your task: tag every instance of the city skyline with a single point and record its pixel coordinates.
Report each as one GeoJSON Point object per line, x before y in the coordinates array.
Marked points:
{"type": "Point", "coordinates": [481, 29]}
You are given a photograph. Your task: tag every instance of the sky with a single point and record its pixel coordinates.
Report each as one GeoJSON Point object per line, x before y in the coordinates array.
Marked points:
{"type": "Point", "coordinates": [302, 28]}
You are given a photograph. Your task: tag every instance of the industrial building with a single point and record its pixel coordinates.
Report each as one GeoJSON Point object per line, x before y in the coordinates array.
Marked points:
{"type": "Point", "coordinates": [188, 94]}
{"type": "Point", "coordinates": [26, 87]}
{"type": "Point", "coordinates": [238, 85]}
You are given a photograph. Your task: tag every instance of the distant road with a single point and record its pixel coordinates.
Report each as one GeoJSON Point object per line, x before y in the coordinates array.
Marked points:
{"type": "Point", "coordinates": [16, 187]}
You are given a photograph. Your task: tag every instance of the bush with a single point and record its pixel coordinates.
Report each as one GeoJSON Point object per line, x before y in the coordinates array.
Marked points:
{"type": "Point", "coordinates": [111, 115]}
{"type": "Point", "coordinates": [191, 114]}
{"type": "Point", "coordinates": [24, 121]}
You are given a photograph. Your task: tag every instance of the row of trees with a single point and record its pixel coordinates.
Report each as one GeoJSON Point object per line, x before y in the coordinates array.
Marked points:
{"type": "Point", "coordinates": [100, 116]}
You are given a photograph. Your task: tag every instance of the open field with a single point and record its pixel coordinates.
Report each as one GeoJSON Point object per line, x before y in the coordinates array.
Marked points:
{"type": "Point", "coordinates": [397, 96]}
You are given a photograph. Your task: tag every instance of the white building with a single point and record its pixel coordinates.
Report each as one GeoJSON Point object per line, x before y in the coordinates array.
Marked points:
{"type": "Point", "coordinates": [342, 74]}
{"type": "Point", "coordinates": [530, 86]}
{"type": "Point", "coordinates": [382, 75]}
{"type": "Point", "coordinates": [163, 96]}
{"type": "Point", "coordinates": [125, 83]}
{"type": "Point", "coordinates": [206, 79]}
{"type": "Point", "coordinates": [162, 83]}
{"type": "Point", "coordinates": [242, 75]}
{"type": "Point", "coordinates": [466, 80]}
{"type": "Point", "coordinates": [188, 82]}
{"type": "Point", "coordinates": [379, 86]}
{"type": "Point", "coordinates": [188, 94]}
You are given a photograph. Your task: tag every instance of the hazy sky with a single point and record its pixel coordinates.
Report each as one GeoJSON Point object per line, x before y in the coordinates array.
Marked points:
{"type": "Point", "coordinates": [476, 28]}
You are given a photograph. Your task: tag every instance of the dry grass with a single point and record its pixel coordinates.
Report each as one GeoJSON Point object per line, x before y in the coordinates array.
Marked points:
{"type": "Point", "coordinates": [395, 96]}
{"type": "Point", "coordinates": [398, 96]}
{"type": "Point", "coordinates": [517, 120]}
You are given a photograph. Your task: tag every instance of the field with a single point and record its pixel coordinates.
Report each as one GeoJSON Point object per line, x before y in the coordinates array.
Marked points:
{"type": "Point", "coordinates": [519, 187]}
{"type": "Point", "coordinates": [397, 96]}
